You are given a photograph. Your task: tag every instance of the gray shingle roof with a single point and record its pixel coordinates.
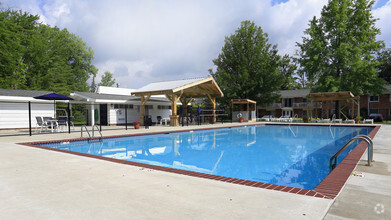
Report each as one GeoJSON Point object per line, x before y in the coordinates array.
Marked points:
{"type": "Point", "coordinates": [23, 93]}
{"type": "Point", "coordinates": [388, 89]}
{"type": "Point", "coordinates": [294, 93]}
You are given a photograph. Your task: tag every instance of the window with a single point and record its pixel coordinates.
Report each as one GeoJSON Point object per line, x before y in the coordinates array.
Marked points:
{"type": "Point", "coordinates": [148, 107]}
{"type": "Point", "coordinates": [304, 100]}
{"type": "Point", "coordinates": [287, 113]}
{"type": "Point", "coordinates": [123, 106]}
{"type": "Point", "coordinates": [355, 111]}
{"type": "Point", "coordinates": [372, 111]}
{"type": "Point", "coordinates": [287, 102]}
{"type": "Point", "coordinates": [374, 98]}
{"type": "Point", "coordinates": [164, 107]}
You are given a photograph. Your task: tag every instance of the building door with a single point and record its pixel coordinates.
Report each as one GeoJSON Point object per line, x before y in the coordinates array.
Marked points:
{"type": "Point", "coordinates": [103, 114]}
{"type": "Point", "coordinates": [287, 113]}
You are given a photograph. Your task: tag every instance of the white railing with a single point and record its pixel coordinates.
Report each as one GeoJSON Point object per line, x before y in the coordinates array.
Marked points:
{"type": "Point", "coordinates": [295, 105]}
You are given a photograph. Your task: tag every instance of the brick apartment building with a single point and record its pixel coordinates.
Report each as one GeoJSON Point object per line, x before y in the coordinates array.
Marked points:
{"type": "Point", "coordinates": [296, 103]}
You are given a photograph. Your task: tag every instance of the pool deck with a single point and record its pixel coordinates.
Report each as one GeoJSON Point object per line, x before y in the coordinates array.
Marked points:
{"type": "Point", "coordinates": [43, 184]}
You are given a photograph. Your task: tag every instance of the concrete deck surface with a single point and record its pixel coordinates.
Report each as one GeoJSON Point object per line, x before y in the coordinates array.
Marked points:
{"type": "Point", "coordinates": [42, 184]}
{"type": "Point", "coordinates": [368, 195]}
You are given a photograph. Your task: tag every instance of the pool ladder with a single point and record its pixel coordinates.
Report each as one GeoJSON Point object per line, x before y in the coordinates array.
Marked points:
{"type": "Point", "coordinates": [368, 140]}
{"type": "Point", "coordinates": [93, 132]}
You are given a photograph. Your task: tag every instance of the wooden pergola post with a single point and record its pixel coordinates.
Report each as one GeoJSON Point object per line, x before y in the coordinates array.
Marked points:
{"type": "Point", "coordinates": [213, 101]}
{"type": "Point", "coordinates": [352, 109]}
{"type": "Point", "coordinates": [144, 100]}
{"type": "Point", "coordinates": [173, 117]}
{"type": "Point", "coordinates": [358, 106]}
{"type": "Point", "coordinates": [185, 101]}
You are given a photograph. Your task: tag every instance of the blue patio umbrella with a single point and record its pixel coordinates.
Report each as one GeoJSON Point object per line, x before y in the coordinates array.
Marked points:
{"type": "Point", "coordinates": [53, 96]}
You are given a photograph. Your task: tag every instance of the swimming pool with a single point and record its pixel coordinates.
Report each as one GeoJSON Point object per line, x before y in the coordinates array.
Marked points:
{"type": "Point", "coordinates": [295, 156]}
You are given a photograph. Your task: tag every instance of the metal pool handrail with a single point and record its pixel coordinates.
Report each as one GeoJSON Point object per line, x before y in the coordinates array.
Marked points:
{"type": "Point", "coordinates": [368, 140]}
{"type": "Point", "coordinates": [81, 131]}
{"type": "Point", "coordinates": [97, 128]}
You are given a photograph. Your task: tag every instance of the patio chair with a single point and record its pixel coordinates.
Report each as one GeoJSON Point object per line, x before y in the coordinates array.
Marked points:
{"type": "Point", "coordinates": [50, 123]}
{"type": "Point", "coordinates": [41, 124]}
{"type": "Point", "coordinates": [62, 123]}
{"type": "Point", "coordinates": [159, 119]}
{"type": "Point", "coordinates": [147, 121]}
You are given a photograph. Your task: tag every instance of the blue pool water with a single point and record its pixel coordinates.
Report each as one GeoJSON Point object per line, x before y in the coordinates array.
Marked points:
{"type": "Point", "coordinates": [296, 156]}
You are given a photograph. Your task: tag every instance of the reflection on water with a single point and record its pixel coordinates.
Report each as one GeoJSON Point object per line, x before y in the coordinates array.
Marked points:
{"type": "Point", "coordinates": [296, 156]}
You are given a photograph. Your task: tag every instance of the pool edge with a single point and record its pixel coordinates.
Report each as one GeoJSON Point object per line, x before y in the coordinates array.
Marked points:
{"type": "Point", "coordinates": [332, 185]}
{"type": "Point", "coordinates": [329, 188]}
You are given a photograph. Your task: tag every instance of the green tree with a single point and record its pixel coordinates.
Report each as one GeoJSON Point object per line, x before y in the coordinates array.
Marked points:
{"type": "Point", "coordinates": [16, 29]}
{"type": "Point", "coordinates": [39, 57]}
{"type": "Point", "coordinates": [107, 79]}
{"type": "Point", "coordinates": [338, 52]}
{"type": "Point", "coordinates": [248, 66]}
{"type": "Point", "coordinates": [93, 84]}
{"type": "Point", "coordinates": [384, 58]}
{"type": "Point", "coordinates": [288, 69]}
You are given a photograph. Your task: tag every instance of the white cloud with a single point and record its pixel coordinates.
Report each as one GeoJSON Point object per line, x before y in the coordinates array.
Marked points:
{"type": "Point", "coordinates": [384, 16]}
{"type": "Point", "coordinates": [146, 41]}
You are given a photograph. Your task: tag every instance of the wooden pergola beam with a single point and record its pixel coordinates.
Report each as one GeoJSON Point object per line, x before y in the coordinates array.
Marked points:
{"type": "Point", "coordinates": [201, 88]}
{"type": "Point", "coordinates": [330, 96]}
{"type": "Point", "coordinates": [246, 102]}
{"type": "Point", "coordinates": [336, 96]}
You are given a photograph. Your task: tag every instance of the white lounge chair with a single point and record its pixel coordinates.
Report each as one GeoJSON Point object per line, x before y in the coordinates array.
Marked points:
{"type": "Point", "coordinates": [339, 120]}
{"type": "Point", "coordinates": [350, 121]}
{"type": "Point", "coordinates": [285, 118]}
{"type": "Point", "coordinates": [367, 121]}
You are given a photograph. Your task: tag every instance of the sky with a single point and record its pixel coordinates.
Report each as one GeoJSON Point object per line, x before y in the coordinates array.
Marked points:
{"type": "Point", "coordinates": [145, 41]}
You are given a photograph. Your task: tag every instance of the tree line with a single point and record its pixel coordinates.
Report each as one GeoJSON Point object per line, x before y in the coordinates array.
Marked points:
{"type": "Point", "coordinates": [339, 52]}
{"type": "Point", "coordinates": [35, 56]}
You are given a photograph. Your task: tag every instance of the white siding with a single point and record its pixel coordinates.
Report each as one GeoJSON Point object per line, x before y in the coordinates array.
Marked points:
{"type": "Point", "coordinates": [117, 116]}
{"type": "Point", "coordinates": [15, 115]}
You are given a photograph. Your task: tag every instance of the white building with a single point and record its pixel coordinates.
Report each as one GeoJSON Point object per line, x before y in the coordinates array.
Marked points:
{"type": "Point", "coordinates": [14, 108]}
{"type": "Point", "coordinates": [107, 106]}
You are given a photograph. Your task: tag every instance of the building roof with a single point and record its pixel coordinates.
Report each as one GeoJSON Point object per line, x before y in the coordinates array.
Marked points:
{"type": "Point", "coordinates": [167, 85]}
{"type": "Point", "coordinates": [303, 93]}
{"type": "Point", "coordinates": [295, 93]}
{"type": "Point", "coordinates": [388, 89]}
{"type": "Point", "coordinates": [95, 97]}
{"type": "Point", "coordinates": [113, 90]}
{"type": "Point", "coordinates": [197, 87]}
{"type": "Point", "coordinates": [23, 93]}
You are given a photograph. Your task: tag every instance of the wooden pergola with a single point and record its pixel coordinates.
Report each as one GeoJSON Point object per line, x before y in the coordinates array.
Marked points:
{"type": "Point", "coordinates": [335, 96]}
{"type": "Point", "coordinates": [249, 108]}
{"type": "Point", "coordinates": [180, 90]}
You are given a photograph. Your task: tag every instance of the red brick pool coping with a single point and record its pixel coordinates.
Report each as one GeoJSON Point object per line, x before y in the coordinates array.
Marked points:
{"type": "Point", "coordinates": [329, 188]}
